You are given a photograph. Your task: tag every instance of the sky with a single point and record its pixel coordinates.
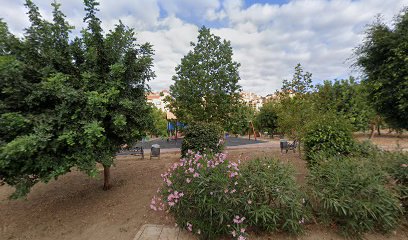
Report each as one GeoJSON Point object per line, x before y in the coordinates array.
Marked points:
{"type": "Point", "coordinates": [268, 37]}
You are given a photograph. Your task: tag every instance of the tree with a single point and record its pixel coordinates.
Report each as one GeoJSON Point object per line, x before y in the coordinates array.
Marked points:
{"type": "Point", "coordinates": [346, 98]}
{"type": "Point", "coordinates": [239, 120]}
{"type": "Point", "coordinates": [159, 126]}
{"type": "Point", "coordinates": [300, 84]}
{"type": "Point", "coordinates": [295, 108]}
{"type": "Point", "coordinates": [266, 119]}
{"type": "Point", "coordinates": [206, 82]}
{"type": "Point", "coordinates": [69, 104]}
{"type": "Point", "coordinates": [383, 57]}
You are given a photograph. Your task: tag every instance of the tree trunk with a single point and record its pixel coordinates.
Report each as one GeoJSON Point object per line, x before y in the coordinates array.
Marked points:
{"type": "Point", "coordinates": [378, 129]}
{"type": "Point", "coordinates": [372, 131]}
{"type": "Point", "coordinates": [106, 177]}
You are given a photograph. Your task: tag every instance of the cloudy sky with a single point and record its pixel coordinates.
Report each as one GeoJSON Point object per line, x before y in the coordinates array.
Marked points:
{"type": "Point", "coordinates": [268, 37]}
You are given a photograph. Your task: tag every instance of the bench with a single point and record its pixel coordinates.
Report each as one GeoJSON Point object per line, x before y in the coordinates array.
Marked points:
{"type": "Point", "coordinates": [137, 151]}
{"type": "Point", "coordinates": [285, 145]}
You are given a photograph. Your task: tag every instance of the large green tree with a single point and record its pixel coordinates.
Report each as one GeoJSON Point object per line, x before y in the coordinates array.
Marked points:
{"type": "Point", "coordinates": [239, 120]}
{"type": "Point", "coordinates": [295, 106]}
{"type": "Point", "coordinates": [206, 82]}
{"type": "Point", "coordinates": [266, 120]}
{"type": "Point", "coordinates": [66, 104]}
{"type": "Point", "coordinates": [159, 122]}
{"type": "Point", "coordinates": [347, 98]}
{"type": "Point", "coordinates": [383, 57]}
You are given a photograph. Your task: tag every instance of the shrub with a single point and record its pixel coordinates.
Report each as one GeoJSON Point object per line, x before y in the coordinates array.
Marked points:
{"type": "Point", "coordinates": [352, 194]}
{"type": "Point", "coordinates": [200, 193]}
{"type": "Point", "coordinates": [211, 196]}
{"type": "Point", "coordinates": [328, 136]}
{"type": "Point", "coordinates": [273, 201]}
{"type": "Point", "coordinates": [202, 136]}
{"type": "Point", "coordinates": [396, 165]}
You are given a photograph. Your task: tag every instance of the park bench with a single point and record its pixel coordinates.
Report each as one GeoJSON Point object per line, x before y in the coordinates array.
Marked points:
{"type": "Point", "coordinates": [285, 145]}
{"type": "Point", "coordinates": [137, 151]}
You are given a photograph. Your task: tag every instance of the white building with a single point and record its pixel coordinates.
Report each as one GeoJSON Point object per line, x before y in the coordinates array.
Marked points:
{"type": "Point", "coordinates": [157, 99]}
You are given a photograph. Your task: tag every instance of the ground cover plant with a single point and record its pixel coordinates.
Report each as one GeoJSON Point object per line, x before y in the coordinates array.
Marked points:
{"type": "Point", "coordinates": [353, 194]}
{"type": "Point", "coordinates": [274, 201]}
{"type": "Point", "coordinates": [395, 164]}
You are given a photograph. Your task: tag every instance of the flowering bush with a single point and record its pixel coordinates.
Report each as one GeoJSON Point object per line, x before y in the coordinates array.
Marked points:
{"type": "Point", "coordinates": [274, 201]}
{"type": "Point", "coordinates": [211, 196]}
{"type": "Point", "coordinates": [353, 195]}
{"type": "Point", "coordinates": [201, 192]}
{"type": "Point", "coordinates": [200, 137]}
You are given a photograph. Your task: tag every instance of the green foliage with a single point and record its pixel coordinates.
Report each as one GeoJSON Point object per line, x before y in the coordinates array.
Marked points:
{"type": "Point", "coordinates": [206, 82]}
{"type": "Point", "coordinates": [211, 196]}
{"type": "Point", "coordinates": [266, 119]}
{"type": "Point", "coordinates": [65, 103]}
{"type": "Point", "coordinates": [238, 122]}
{"type": "Point", "coordinates": [200, 193]}
{"type": "Point", "coordinates": [383, 58]}
{"type": "Point", "coordinates": [271, 199]}
{"type": "Point", "coordinates": [159, 126]}
{"type": "Point", "coordinates": [330, 135]}
{"type": "Point", "coordinates": [347, 98]}
{"type": "Point", "coordinates": [295, 108]}
{"type": "Point", "coordinates": [301, 83]}
{"type": "Point", "coordinates": [396, 165]}
{"type": "Point", "coordinates": [351, 193]}
{"type": "Point", "coordinates": [398, 170]}
{"type": "Point", "coordinates": [202, 137]}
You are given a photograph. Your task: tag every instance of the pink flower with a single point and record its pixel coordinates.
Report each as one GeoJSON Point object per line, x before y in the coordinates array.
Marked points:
{"type": "Point", "coordinates": [171, 204]}
{"type": "Point", "coordinates": [234, 234]}
{"type": "Point", "coordinates": [191, 170]}
{"type": "Point", "coordinates": [153, 207]}
{"type": "Point", "coordinates": [196, 175]}
{"type": "Point", "coordinates": [190, 227]}
{"type": "Point", "coordinates": [226, 190]}
{"type": "Point", "coordinates": [237, 220]}
{"type": "Point", "coordinates": [241, 238]}
{"type": "Point", "coordinates": [242, 230]}
{"type": "Point", "coordinates": [233, 190]}
{"type": "Point", "coordinates": [188, 180]}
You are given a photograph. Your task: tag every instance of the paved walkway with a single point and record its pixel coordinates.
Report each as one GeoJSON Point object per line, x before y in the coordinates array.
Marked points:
{"type": "Point", "coordinates": [231, 143]}
{"type": "Point", "coordinates": [161, 232]}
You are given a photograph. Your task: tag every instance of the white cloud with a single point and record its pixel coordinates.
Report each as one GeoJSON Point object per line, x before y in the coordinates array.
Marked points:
{"type": "Point", "coordinates": [268, 39]}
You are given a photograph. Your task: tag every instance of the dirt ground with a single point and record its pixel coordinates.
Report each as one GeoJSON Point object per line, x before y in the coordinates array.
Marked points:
{"type": "Point", "coordinates": [76, 207]}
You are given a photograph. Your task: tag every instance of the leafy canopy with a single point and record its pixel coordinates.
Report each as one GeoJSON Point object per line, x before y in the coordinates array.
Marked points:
{"type": "Point", "coordinates": [206, 82]}
{"type": "Point", "coordinates": [348, 99]}
{"type": "Point", "coordinates": [295, 107]}
{"type": "Point", "coordinates": [383, 57]}
{"type": "Point", "coordinates": [66, 103]}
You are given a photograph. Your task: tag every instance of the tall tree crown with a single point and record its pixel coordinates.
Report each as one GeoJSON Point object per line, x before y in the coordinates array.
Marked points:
{"type": "Point", "coordinates": [206, 82]}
